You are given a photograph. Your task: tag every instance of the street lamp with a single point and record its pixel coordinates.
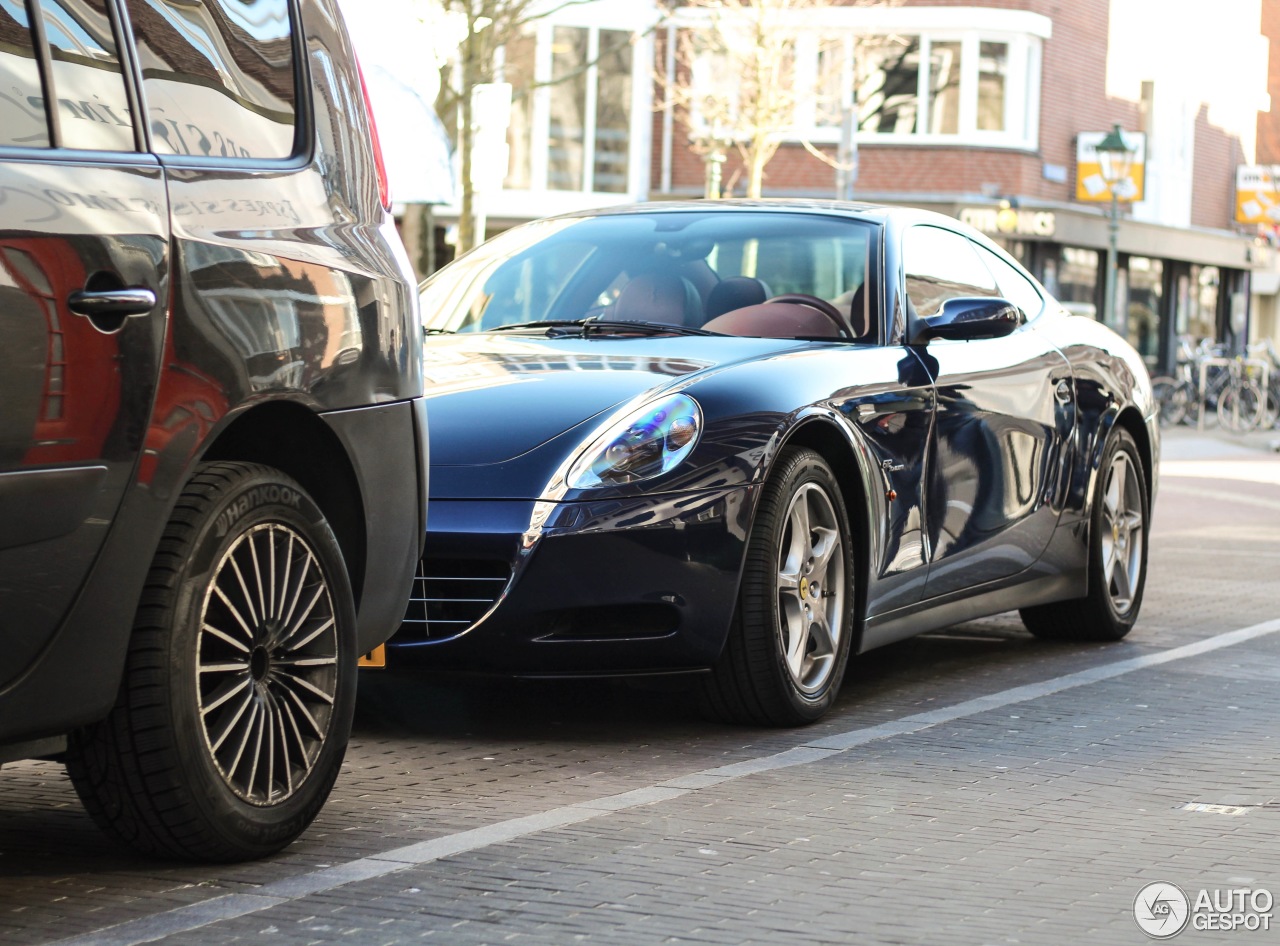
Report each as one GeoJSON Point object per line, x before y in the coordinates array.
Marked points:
{"type": "Point", "coordinates": [1115, 158]}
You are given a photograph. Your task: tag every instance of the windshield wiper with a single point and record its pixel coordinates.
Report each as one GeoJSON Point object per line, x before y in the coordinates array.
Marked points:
{"type": "Point", "coordinates": [593, 326]}
{"type": "Point", "coordinates": [648, 328]}
{"type": "Point", "coordinates": [542, 323]}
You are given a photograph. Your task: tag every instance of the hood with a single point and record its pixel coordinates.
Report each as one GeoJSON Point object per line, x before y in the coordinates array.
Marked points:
{"type": "Point", "coordinates": [492, 398]}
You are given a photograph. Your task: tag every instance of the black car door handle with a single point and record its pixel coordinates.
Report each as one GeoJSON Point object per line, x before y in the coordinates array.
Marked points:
{"type": "Point", "coordinates": [112, 303]}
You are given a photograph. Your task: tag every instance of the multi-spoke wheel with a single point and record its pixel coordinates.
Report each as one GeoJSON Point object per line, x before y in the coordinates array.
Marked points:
{"type": "Point", "coordinates": [267, 663]}
{"type": "Point", "coordinates": [791, 632]}
{"type": "Point", "coordinates": [1117, 555]}
{"type": "Point", "coordinates": [239, 685]}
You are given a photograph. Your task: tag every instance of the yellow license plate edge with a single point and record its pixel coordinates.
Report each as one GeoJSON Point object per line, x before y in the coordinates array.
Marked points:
{"type": "Point", "coordinates": [375, 658]}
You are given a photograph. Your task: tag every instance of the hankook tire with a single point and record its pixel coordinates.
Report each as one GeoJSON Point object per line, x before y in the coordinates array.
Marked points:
{"type": "Point", "coordinates": [236, 703]}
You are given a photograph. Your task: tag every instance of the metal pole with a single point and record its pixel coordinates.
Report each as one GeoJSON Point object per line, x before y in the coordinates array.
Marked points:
{"type": "Point", "coordinates": [1109, 296]}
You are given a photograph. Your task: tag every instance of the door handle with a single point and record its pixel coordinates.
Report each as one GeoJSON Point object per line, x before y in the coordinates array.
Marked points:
{"type": "Point", "coordinates": [110, 304]}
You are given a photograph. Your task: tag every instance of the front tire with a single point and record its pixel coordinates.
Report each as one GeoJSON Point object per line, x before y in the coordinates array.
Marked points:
{"type": "Point", "coordinates": [1117, 555]}
{"type": "Point", "coordinates": [239, 686]}
{"type": "Point", "coordinates": [789, 641]}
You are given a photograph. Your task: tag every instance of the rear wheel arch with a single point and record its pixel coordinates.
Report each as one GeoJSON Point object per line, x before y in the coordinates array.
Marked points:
{"type": "Point", "coordinates": [293, 439]}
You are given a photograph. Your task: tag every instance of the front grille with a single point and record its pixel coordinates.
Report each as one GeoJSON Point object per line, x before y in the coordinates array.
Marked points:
{"type": "Point", "coordinates": [449, 596]}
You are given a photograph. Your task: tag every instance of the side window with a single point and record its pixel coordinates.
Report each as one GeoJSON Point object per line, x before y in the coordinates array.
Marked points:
{"type": "Point", "coordinates": [22, 118]}
{"type": "Point", "coordinates": [93, 107]}
{"type": "Point", "coordinates": [942, 265]}
{"type": "Point", "coordinates": [1014, 286]}
{"type": "Point", "coordinates": [217, 76]}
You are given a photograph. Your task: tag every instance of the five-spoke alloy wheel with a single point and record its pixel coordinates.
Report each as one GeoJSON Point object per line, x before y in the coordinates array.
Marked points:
{"type": "Point", "coordinates": [789, 642]}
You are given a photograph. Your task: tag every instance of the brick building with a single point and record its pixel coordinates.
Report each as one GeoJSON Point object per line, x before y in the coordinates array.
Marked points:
{"type": "Point", "coordinates": [973, 109]}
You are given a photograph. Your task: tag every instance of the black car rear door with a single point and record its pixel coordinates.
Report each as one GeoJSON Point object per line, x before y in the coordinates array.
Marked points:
{"type": "Point", "coordinates": [83, 286]}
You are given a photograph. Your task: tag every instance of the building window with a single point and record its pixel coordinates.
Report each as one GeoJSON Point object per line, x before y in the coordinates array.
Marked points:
{"type": "Point", "coordinates": [573, 105]}
{"type": "Point", "coordinates": [953, 84]}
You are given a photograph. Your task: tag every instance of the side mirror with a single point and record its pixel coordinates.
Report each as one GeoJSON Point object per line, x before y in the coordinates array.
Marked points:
{"type": "Point", "coordinates": [967, 318]}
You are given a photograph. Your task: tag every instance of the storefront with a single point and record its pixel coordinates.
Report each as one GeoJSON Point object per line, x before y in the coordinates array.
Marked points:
{"type": "Point", "coordinates": [1170, 282]}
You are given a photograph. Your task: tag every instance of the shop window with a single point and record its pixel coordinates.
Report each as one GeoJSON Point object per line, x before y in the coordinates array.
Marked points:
{"type": "Point", "coordinates": [1143, 314]}
{"type": "Point", "coordinates": [1197, 315]}
{"type": "Point", "coordinates": [1077, 281]}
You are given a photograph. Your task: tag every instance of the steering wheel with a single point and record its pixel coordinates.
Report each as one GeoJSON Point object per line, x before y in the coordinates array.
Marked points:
{"type": "Point", "coordinates": [813, 302]}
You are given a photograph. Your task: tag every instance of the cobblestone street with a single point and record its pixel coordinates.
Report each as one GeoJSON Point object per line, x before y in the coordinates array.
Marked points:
{"type": "Point", "coordinates": [973, 786]}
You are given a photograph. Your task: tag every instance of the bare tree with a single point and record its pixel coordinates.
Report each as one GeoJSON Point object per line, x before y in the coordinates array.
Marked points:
{"type": "Point", "coordinates": [736, 80]}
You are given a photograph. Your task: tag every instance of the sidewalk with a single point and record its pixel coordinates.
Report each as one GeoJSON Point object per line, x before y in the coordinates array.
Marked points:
{"type": "Point", "coordinates": [1213, 443]}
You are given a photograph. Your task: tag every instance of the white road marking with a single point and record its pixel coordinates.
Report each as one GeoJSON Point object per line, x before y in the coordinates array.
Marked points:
{"type": "Point", "coordinates": [196, 916]}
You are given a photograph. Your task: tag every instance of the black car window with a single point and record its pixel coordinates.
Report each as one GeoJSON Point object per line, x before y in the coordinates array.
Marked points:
{"type": "Point", "coordinates": [218, 77]}
{"type": "Point", "coordinates": [1014, 285]}
{"type": "Point", "coordinates": [942, 265]}
{"type": "Point", "coordinates": [22, 120]}
{"type": "Point", "coordinates": [93, 106]}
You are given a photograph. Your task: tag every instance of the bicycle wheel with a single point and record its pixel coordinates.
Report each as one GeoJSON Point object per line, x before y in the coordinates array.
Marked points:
{"type": "Point", "coordinates": [1171, 398]}
{"type": "Point", "coordinates": [1240, 407]}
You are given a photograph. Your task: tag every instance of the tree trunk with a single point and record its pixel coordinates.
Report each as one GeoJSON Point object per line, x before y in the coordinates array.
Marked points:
{"type": "Point", "coordinates": [466, 139]}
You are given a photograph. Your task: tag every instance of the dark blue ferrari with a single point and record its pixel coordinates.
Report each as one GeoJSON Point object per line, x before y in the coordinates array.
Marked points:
{"type": "Point", "coordinates": [748, 439]}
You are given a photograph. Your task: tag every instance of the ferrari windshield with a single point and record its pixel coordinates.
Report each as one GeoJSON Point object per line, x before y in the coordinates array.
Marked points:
{"type": "Point", "coordinates": [694, 269]}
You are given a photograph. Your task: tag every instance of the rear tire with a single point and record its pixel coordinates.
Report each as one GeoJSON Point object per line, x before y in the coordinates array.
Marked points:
{"type": "Point", "coordinates": [239, 685]}
{"type": "Point", "coordinates": [789, 642]}
{"type": "Point", "coordinates": [1117, 555]}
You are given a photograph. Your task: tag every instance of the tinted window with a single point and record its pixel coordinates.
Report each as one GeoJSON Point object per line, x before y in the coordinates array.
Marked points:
{"type": "Point", "coordinates": [22, 119]}
{"type": "Point", "coordinates": [93, 108]}
{"type": "Point", "coordinates": [942, 265]}
{"type": "Point", "coordinates": [1014, 286]}
{"type": "Point", "coordinates": [217, 76]}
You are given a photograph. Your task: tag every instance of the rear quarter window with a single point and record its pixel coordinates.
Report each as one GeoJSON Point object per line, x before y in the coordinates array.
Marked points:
{"type": "Point", "coordinates": [218, 76]}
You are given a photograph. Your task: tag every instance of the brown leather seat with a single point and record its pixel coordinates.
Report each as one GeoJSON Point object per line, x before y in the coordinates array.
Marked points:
{"type": "Point", "coordinates": [658, 297]}
{"type": "Point", "coordinates": [775, 320]}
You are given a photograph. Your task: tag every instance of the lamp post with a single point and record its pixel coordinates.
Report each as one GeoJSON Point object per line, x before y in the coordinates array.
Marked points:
{"type": "Point", "coordinates": [1115, 158]}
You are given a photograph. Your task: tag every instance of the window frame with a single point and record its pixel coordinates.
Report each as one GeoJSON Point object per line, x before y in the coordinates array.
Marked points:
{"type": "Point", "coordinates": [131, 73]}
{"type": "Point", "coordinates": [303, 150]}
{"type": "Point", "coordinates": [538, 199]}
{"type": "Point", "coordinates": [1023, 33]}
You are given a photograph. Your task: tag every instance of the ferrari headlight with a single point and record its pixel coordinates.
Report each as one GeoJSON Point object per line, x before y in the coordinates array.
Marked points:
{"type": "Point", "coordinates": [647, 443]}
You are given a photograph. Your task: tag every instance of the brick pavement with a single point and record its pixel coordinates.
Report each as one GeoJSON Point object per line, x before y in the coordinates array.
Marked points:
{"type": "Point", "coordinates": [1028, 823]}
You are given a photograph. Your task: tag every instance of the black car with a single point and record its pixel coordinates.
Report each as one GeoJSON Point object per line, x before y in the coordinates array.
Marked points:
{"type": "Point", "coordinates": [750, 439]}
{"type": "Point", "coordinates": [212, 485]}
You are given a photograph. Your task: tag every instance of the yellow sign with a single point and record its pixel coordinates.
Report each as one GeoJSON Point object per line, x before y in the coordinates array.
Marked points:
{"type": "Point", "coordinates": [1092, 186]}
{"type": "Point", "coordinates": [1257, 197]}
